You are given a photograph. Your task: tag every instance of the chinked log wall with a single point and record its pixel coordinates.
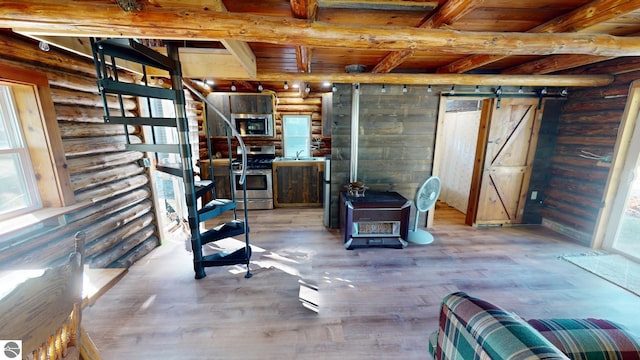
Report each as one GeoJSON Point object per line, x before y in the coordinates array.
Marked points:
{"type": "Point", "coordinates": [120, 224]}
{"type": "Point", "coordinates": [589, 122]}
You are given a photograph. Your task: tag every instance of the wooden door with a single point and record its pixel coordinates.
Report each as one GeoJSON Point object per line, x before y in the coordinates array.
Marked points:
{"type": "Point", "coordinates": [506, 148]}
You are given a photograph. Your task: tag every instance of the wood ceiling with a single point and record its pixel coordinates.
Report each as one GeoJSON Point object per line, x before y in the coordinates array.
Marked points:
{"type": "Point", "coordinates": [485, 42]}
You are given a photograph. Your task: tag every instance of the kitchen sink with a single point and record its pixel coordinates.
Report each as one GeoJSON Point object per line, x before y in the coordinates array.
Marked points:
{"type": "Point", "coordinates": [303, 158]}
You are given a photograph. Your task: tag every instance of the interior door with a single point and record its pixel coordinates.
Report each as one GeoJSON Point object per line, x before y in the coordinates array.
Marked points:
{"type": "Point", "coordinates": [504, 159]}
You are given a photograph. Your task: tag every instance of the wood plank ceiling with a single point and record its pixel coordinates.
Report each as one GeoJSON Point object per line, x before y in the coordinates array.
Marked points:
{"type": "Point", "coordinates": [485, 42]}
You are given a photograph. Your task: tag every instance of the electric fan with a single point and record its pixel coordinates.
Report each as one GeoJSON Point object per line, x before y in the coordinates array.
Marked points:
{"type": "Point", "coordinates": [425, 199]}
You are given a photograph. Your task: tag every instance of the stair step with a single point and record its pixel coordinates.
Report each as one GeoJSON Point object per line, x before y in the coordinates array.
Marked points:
{"type": "Point", "coordinates": [215, 207]}
{"type": "Point", "coordinates": [223, 258]}
{"type": "Point", "coordinates": [130, 49]}
{"type": "Point", "coordinates": [117, 87]}
{"type": "Point", "coordinates": [141, 121]}
{"type": "Point", "coordinates": [171, 169]}
{"type": "Point", "coordinates": [203, 187]}
{"type": "Point", "coordinates": [223, 231]}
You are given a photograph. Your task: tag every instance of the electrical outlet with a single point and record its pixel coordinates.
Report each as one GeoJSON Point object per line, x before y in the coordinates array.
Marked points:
{"type": "Point", "coordinates": [534, 195]}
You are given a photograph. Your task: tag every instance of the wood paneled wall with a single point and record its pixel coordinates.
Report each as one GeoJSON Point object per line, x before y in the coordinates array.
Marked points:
{"type": "Point", "coordinates": [396, 139]}
{"type": "Point", "coordinates": [588, 122]}
{"type": "Point", "coordinates": [120, 223]}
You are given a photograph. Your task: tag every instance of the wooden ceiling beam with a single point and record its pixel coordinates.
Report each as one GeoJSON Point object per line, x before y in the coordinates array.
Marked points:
{"type": "Point", "coordinates": [405, 5]}
{"type": "Point", "coordinates": [443, 79]}
{"type": "Point", "coordinates": [581, 18]}
{"type": "Point", "coordinates": [303, 9]}
{"type": "Point", "coordinates": [554, 63]}
{"type": "Point", "coordinates": [449, 13]}
{"type": "Point", "coordinates": [48, 17]}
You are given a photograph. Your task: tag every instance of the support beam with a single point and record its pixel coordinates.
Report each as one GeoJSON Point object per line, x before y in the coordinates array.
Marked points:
{"type": "Point", "coordinates": [444, 79]}
{"type": "Point", "coordinates": [303, 9]}
{"type": "Point", "coordinates": [583, 17]}
{"type": "Point", "coordinates": [47, 17]}
{"type": "Point", "coordinates": [554, 63]}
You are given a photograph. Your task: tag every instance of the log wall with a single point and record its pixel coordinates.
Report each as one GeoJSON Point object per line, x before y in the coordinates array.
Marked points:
{"type": "Point", "coordinates": [120, 223]}
{"type": "Point", "coordinates": [588, 122]}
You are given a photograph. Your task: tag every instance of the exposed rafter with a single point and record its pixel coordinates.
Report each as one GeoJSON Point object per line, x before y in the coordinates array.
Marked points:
{"type": "Point", "coordinates": [451, 11]}
{"type": "Point", "coordinates": [586, 16]}
{"type": "Point", "coordinates": [91, 19]}
{"type": "Point", "coordinates": [303, 9]}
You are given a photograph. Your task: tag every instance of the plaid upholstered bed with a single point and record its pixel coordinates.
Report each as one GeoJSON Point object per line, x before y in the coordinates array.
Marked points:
{"type": "Point", "coordinates": [471, 328]}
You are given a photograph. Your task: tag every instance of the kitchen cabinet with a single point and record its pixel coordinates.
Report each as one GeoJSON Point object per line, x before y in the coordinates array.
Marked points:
{"type": "Point", "coordinates": [297, 183]}
{"type": "Point", "coordinates": [251, 104]}
{"type": "Point", "coordinates": [221, 176]}
{"type": "Point", "coordinates": [233, 103]}
{"type": "Point", "coordinates": [216, 125]}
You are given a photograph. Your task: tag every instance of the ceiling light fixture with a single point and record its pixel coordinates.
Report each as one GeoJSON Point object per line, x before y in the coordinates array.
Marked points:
{"type": "Point", "coordinates": [429, 88]}
{"type": "Point", "coordinates": [520, 90]}
{"type": "Point", "coordinates": [334, 88]}
{"type": "Point", "coordinates": [260, 87]}
{"type": "Point", "coordinates": [286, 85]}
{"type": "Point", "coordinates": [307, 89]}
{"type": "Point", "coordinates": [404, 88]}
{"type": "Point", "coordinates": [233, 86]}
{"type": "Point", "coordinates": [564, 92]}
{"type": "Point", "coordinates": [477, 89]}
{"type": "Point", "coordinates": [384, 89]}
{"type": "Point", "coordinates": [453, 90]}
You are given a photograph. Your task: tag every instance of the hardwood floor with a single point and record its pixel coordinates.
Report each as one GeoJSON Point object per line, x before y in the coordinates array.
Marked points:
{"type": "Point", "coordinates": [374, 303]}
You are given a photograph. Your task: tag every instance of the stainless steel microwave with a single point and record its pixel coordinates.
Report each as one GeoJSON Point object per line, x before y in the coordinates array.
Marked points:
{"type": "Point", "coordinates": [253, 124]}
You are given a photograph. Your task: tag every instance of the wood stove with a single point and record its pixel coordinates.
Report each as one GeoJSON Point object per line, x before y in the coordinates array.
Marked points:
{"type": "Point", "coordinates": [378, 219]}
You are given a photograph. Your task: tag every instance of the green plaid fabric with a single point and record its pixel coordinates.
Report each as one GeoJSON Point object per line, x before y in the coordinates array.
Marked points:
{"type": "Point", "coordinates": [471, 328]}
{"type": "Point", "coordinates": [589, 339]}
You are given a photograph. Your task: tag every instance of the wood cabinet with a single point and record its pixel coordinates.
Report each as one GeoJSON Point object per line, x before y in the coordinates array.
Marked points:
{"type": "Point", "coordinates": [298, 183]}
{"type": "Point", "coordinates": [232, 103]}
{"type": "Point", "coordinates": [216, 125]}
{"type": "Point", "coordinates": [251, 104]}
{"type": "Point", "coordinates": [221, 176]}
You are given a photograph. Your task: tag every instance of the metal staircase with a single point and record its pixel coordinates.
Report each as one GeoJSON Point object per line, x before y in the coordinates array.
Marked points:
{"type": "Point", "coordinates": [109, 51]}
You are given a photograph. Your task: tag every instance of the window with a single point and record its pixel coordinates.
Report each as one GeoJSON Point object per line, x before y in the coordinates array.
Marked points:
{"type": "Point", "coordinates": [296, 134]}
{"type": "Point", "coordinates": [35, 181]}
{"type": "Point", "coordinates": [18, 193]}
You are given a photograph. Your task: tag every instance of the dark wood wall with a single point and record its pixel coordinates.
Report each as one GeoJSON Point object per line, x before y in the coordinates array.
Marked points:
{"type": "Point", "coordinates": [119, 220]}
{"type": "Point", "coordinates": [396, 139]}
{"type": "Point", "coordinates": [589, 121]}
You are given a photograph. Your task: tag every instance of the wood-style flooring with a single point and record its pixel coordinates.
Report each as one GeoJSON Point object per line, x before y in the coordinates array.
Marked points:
{"type": "Point", "coordinates": [375, 303]}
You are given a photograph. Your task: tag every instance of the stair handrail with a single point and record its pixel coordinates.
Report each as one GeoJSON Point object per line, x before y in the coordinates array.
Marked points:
{"type": "Point", "coordinates": [234, 132]}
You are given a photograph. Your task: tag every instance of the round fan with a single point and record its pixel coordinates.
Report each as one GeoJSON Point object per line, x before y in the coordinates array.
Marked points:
{"type": "Point", "coordinates": [425, 199]}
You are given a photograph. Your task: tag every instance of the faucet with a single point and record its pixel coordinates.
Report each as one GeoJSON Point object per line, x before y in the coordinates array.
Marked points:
{"type": "Point", "coordinates": [298, 153]}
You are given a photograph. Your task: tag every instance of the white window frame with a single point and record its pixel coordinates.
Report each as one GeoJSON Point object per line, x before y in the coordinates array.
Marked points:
{"type": "Point", "coordinates": [17, 147]}
{"type": "Point", "coordinates": [287, 137]}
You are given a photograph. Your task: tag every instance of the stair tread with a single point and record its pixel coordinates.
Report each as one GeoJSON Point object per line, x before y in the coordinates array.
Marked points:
{"type": "Point", "coordinates": [130, 49]}
{"type": "Point", "coordinates": [223, 231]}
{"type": "Point", "coordinates": [216, 207]}
{"type": "Point", "coordinates": [239, 256]}
{"type": "Point", "coordinates": [203, 187]}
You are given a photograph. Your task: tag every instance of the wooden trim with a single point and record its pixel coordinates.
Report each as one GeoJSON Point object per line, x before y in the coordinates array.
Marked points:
{"type": "Point", "coordinates": [478, 168]}
{"type": "Point", "coordinates": [608, 218]}
{"type": "Point", "coordinates": [40, 128]}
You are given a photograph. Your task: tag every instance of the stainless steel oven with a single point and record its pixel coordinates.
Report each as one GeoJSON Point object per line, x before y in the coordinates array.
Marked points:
{"type": "Point", "coordinates": [258, 179]}
{"type": "Point", "coordinates": [259, 184]}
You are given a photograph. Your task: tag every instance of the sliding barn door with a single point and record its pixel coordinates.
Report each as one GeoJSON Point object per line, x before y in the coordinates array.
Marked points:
{"type": "Point", "coordinates": [508, 137]}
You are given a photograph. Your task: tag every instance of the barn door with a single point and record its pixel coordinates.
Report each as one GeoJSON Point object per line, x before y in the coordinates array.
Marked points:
{"type": "Point", "coordinates": [506, 148]}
